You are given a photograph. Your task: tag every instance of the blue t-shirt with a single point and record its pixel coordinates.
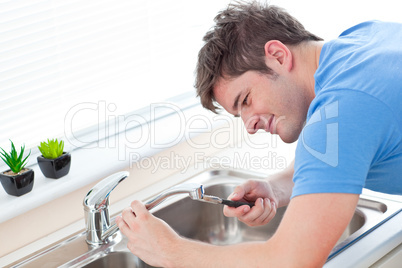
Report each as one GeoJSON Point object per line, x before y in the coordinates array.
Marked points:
{"type": "Point", "coordinates": [353, 133]}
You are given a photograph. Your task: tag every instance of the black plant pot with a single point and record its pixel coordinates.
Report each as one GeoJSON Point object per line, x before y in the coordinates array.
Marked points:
{"type": "Point", "coordinates": [19, 184]}
{"type": "Point", "coordinates": [55, 168]}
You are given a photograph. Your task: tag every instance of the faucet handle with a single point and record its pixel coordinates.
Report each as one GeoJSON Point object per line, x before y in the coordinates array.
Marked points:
{"type": "Point", "coordinates": [96, 209]}
{"type": "Point", "coordinates": [97, 198]}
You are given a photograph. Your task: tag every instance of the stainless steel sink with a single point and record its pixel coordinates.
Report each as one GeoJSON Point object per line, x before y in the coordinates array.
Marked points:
{"type": "Point", "coordinates": [116, 259]}
{"type": "Point", "coordinates": [204, 222]}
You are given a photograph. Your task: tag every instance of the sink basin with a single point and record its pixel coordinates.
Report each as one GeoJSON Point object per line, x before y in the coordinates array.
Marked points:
{"type": "Point", "coordinates": [206, 222]}
{"type": "Point", "coordinates": [116, 259]}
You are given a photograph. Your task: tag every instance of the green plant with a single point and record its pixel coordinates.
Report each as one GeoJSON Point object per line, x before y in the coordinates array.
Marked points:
{"type": "Point", "coordinates": [13, 160]}
{"type": "Point", "coordinates": [51, 149]}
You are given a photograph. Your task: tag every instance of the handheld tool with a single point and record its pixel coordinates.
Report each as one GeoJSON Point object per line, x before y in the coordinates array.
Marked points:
{"type": "Point", "coordinates": [218, 200]}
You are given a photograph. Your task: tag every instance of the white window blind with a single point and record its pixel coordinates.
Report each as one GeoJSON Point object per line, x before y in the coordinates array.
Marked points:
{"type": "Point", "coordinates": [122, 54]}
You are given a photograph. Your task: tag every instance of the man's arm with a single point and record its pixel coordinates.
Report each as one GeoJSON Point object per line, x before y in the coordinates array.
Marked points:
{"type": "Point", "coordinates": [309, 230]}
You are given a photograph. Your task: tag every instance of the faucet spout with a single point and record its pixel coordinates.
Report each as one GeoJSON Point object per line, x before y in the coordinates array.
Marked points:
{"type": "Point", "coordinates": [96, 208]}
{"type": "Point", "coordinates": [194, 190]}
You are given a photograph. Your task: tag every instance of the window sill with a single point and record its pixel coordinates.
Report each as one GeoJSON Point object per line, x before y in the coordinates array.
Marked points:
{"type": "Point", "coordinates": [89, 165]}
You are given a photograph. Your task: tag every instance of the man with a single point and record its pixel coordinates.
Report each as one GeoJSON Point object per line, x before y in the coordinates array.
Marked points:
{"type": "Point", "coordinates": [340, 99]}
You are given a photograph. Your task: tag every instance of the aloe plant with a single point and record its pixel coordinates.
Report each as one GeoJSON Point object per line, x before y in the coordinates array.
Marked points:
{"type": "Point", "coordinates": [51, 149]}
{"type": "Point", "coordinates": [13, 160]}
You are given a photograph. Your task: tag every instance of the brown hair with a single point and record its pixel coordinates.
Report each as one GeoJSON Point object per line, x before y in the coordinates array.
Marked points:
{"type": "Point", "coordinates": [235, 44]}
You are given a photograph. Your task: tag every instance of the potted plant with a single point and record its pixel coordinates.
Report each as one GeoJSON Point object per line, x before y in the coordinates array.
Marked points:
{"type": "Point", "coordinates": [18, 180]}
{"type": "Point", "coordinates": [54, 162]}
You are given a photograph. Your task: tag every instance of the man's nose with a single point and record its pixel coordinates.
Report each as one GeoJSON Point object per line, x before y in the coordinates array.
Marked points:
{"type": "Point", "coordinates": [249, 122]}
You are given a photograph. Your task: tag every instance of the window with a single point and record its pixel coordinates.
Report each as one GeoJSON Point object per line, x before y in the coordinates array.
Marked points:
{"type": "Point", "coordinates": [61, 61]}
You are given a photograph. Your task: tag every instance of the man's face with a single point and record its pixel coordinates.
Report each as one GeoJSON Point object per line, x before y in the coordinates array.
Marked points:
{"type": "Point", "coordinates": [276, 105]}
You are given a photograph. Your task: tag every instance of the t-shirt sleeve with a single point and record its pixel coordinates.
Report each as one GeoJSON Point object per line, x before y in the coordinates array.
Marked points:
{"type": "Point", "coordinates": [345, 134]}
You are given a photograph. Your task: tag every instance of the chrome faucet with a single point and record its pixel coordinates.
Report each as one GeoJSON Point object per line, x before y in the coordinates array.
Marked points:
{"type": "Point", "coordinates": [96, 208]}
{"type": "Point", "coordinates": [96, 205]}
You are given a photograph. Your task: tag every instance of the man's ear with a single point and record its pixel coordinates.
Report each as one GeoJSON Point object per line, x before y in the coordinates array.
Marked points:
{"type": "Point", "coordinates": [276, 53]}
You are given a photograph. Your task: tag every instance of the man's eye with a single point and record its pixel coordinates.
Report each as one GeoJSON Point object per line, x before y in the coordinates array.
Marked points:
{"type": "Point", "coordinates": [245, 100]}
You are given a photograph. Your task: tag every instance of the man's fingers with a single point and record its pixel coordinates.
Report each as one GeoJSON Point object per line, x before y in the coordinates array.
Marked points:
{"type": "Point", "coordinates": [244, 191]}
{"type": "Point", "coordinates": [236, 212]}
{"type": "Point", "coordinates": [237, 193]}
{"type": "Point", "coordinates": [256, 211]}
{"type": "Point", "coordinates": [137, 205]}
{"type": "Point", "coordinates": [124, 228]}
{"type": "Point", "coordinates": [128, 216]}
{"type": "Point", "coordinates": [261, 213]}
{"type": "Point", "coordinates": [266, 213]}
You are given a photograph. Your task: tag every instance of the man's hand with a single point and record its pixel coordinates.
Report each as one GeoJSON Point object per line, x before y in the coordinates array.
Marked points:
{"type": "Point", "coordinates": [150, 238]}
{"type": "Point", "coordinates": [257, 191]}
{"type": "Point", "coordinates": [267, 194]}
